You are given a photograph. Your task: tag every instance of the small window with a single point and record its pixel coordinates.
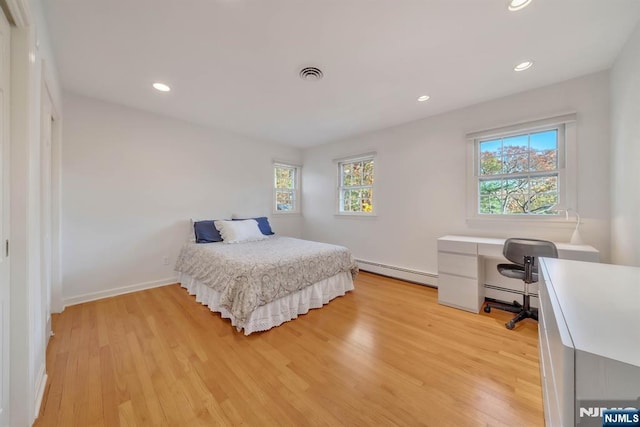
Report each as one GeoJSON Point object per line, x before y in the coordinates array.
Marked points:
{"type": "Point", "coordinates": [286, 190]}
{"type": "Point", "coordinates": [522, 171]}
{"type": "Point", "coordinates": [355, 186]}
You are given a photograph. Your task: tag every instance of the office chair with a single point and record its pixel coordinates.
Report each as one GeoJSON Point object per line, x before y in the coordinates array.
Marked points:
{"type": "Point", "coordinates": [522, 253]}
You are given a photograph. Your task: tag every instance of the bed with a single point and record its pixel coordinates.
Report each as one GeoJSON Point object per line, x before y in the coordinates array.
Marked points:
{"type": "Point", "coordinates": [261, 284]}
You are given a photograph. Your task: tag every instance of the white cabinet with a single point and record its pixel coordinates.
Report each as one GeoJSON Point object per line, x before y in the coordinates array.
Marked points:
{"type": "Point", "coordinates": [589, 339]}
{"type": "Point", "coordinates": [458, 275]}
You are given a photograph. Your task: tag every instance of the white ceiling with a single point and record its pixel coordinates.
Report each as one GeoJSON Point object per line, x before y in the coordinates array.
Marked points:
{"type": "Point", "coordinates": [233, 64]}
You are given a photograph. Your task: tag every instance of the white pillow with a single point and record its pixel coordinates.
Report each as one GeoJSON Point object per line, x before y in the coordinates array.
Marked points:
{"type": "Point", "coordinates": [239, 231]}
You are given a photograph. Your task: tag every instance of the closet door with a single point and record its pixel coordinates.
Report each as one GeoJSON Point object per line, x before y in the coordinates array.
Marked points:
{"type": "Point", "coordinates": [5, 51]}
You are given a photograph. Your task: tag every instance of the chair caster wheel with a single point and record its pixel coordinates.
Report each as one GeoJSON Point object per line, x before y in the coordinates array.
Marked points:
{"type": "Point", "coordinates": [487, 309]}
{"type": "Point", "coordinates": [510, 324]}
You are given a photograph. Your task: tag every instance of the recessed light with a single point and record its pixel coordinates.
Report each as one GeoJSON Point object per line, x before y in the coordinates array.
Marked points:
{"type": "Point", "coordinates": [161, 87]}
{"type": "Point", "coordinates": [518, 4]}
{"type": "Point", "coordinates": [423, 98]}
{"type": "Point", "coordinates": [523, 66]}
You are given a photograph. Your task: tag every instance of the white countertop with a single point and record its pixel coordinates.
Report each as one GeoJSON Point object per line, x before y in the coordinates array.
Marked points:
{"type": "Point", "coordinates": [500, 241]}
{"type": "Point", "coordinates": [600, 304]}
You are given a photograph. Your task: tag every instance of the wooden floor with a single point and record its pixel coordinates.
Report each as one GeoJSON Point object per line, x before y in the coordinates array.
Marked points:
{"type": "Point", "coordinates": [384, 354]}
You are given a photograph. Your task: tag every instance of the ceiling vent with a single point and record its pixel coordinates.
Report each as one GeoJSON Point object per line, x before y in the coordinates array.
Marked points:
{"type": "Point", "coordinates": [311, 74]}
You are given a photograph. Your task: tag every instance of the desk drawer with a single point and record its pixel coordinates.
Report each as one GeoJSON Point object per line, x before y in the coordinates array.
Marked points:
{"type": "Point", "coordinates": [470, 248]}
{"type": "Point", "coordinates": [491, 250]}
{"type": "Point", "coordinates": [460, 265]}
{"type": "Point", "coordinates": [459, 292]}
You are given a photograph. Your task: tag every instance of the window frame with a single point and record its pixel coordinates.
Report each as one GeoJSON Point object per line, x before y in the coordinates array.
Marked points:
{"type": "Point", "coordinates": [297, 201]}
{"type": "Point", "coordinates": [566, 169]}
{"type": "Point", "coordinates": [339, 188]}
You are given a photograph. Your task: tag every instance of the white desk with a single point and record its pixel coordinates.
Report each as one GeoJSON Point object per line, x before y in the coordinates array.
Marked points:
{"type": "Point", "coordinates": [589, 339]}
{"type": "Point", "coordinates": [462, 275]}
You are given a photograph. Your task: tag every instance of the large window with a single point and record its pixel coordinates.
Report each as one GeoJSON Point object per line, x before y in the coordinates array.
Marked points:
{"type": "Point", "coordinates": [520, 171]}
{"type": "Point", "coordinates": [355, 186]}
{"type": "Point", "coordinates": [286, 188]}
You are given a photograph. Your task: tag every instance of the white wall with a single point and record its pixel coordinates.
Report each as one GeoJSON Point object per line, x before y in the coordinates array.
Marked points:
{"type": "Point", "coordinates": [29, 307]}
{"type": "Point", "coordinates": [131, 181]}
{"type": "Point", "coordinates": [625, 154]}
{"type": "Point", "coordinates": [420, 190]}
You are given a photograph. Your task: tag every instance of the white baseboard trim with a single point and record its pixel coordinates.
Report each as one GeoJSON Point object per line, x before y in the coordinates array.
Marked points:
{"type": "Point", "coordinates": [415, 276]}
{"type": "Point", "coordinates": [41, 386]}
{"type": "Point", "coordinates": [79, 299]}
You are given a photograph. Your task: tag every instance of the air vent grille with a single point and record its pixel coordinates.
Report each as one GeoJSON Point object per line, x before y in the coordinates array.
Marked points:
{"type": "Point", "coordinates": [311, 74]}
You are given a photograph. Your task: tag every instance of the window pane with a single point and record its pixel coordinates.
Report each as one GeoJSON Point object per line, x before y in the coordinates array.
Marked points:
{"type": "Point", "coordinates": [515, 154]}
{"type": "Point", "coordinates": [490, 204]}
{"type": "Point", "coordinates": [356, 173]}
{"type": "Point", "coordinates": [490, 187]}
{"type": "Point", "coordinates": [285, 177]}
{"type": "Point", "coordinates": [357, 200]}
{"type": "Point", "coordinates": [366, 197]}
{"type": "Point", "coordinates": [544, 150]}
{"type": "Point", "coordinates": [515, 192]}
{"type": "Point", "coordinates": [491, 196]}
{"type": "Point", "coordinates": [518, 196]}
{"type": "Point", "coordinates": [350, 200]}
{"type": "Point", "coordinates": [284, 200]}
{"type": "Point", "coordinates": [368, 173]}
{"type": "Point", "coordinates": [491, 157]}
{"type": "Point", "coordinates": [348, 178]}
{"type": "Point", "coordinates": [543, 194]}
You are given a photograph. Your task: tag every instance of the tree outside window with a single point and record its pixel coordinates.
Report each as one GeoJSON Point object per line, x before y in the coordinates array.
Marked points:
{"type": "Point", "coordinates": [286, 188]}
{"type": "Point", "coordinates": [356, 179]}
{"type": "Point", "coordinates": [519, 174]}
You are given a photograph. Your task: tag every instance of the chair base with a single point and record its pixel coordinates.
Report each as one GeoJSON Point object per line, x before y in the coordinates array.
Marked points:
{"type": "Point", "coordinates": [523, 311]}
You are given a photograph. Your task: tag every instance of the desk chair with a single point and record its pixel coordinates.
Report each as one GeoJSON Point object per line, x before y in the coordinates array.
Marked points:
{"type": "Point", "coordinates": [522, 253]}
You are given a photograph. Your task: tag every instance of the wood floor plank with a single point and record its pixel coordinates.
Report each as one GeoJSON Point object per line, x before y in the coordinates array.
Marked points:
{"type": "Point", "coordinates": [384, 354]}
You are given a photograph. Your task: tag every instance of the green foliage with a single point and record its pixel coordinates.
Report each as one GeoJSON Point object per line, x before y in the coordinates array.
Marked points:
{"type": "Point", "coordinates": [284, 177]}
{"type": "Point", "coordinates": [356, 182]}
{"type": "Point", "coordinates": [285, 184]}
{"type": "Point", "coordinates": [357, 200]}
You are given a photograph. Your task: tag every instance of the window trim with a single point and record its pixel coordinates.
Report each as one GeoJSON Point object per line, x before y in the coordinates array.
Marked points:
{"type": "Point", "coordinates": [297, 191]}
{"type": "Point", "coordinates": [357, 158]}
{"type": "Point", "coordinates": [567, 167]}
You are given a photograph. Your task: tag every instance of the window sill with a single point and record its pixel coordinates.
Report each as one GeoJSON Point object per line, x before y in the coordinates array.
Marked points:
{"type": "Point", "coordinates": [555, 222]}
{"type": "Point", "coordinates": [354, 215]}
{"type": "Point", "coordinates": [286, 213]}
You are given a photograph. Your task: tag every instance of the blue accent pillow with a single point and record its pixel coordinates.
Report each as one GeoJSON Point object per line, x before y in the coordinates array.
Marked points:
{"type": "Point", "coordinates": [263, 224]}
{"type": "Point", "coordinates": [206, 232]}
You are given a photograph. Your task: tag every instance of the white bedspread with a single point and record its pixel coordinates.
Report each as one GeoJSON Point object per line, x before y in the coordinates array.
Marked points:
{"type": "Point", "coordinates": [252, 274]}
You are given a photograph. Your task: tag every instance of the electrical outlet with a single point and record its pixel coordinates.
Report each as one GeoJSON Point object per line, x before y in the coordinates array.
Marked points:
{"type": "Point", "coordinates": [165, 260]}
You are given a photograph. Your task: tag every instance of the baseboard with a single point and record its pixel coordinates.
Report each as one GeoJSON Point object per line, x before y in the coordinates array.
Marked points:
{"type": "Point", "coordinates": [415, 276]}
{"type": "Point", "coordinates": [41, 386]}
{"type": "Point", "coordinates": [79, 299]}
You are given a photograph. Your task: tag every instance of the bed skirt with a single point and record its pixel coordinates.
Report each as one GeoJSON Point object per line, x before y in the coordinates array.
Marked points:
{"type": "Point", "coordinates": [277, 312]}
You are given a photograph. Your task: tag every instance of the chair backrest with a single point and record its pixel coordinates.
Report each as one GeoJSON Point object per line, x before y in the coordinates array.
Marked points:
{"type": "Point", "coordinates": [516, 249]}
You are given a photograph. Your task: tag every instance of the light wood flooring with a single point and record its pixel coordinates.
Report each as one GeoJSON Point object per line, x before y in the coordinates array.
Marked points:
{"type": "Point", "coordinates": [384, 354]}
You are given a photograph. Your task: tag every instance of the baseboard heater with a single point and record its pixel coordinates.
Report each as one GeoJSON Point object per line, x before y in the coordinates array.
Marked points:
{"type": "Point", "coordinates": [414, 276]}
{"type": "Point", "coordinates": [513, 291]}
